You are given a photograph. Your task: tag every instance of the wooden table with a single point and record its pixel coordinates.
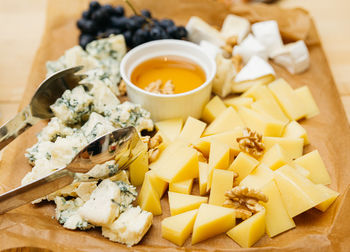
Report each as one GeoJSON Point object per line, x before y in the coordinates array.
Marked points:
{"type": "Point", "coordinates": [22, 24]}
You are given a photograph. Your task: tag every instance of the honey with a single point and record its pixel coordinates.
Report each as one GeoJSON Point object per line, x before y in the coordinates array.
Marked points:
{"type": "Point", "coordinates": [184, 74]}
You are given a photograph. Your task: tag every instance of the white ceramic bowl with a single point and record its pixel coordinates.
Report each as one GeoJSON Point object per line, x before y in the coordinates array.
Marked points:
{"type": "Point", "coordinates": [163, 106]}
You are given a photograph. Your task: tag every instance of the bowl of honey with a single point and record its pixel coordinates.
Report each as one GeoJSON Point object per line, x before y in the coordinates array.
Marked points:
{"type": "Point", "coordinates": [169, 78]}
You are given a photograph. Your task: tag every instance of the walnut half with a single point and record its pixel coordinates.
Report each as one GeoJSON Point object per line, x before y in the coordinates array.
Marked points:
{"type": "Point", "coordinates": [251, 143]}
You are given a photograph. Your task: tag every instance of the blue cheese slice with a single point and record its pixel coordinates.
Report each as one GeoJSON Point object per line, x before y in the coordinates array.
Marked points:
{"type": "Point", "coordinates": [104, 99]}
{"type": "Point", "coordinates": [96, 126]}
{"type": "Point", "coordinates": [130, 227]}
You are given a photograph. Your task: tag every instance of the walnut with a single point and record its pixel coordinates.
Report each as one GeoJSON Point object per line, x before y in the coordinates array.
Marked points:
{"type": "Point", "coordinates": [251, 142]}
{"type": "Point", "coordinates": [245, 200]}
{"type": "Point", "coordinates": [237, 62]}
{"type": "Point", "coordinates": [153, 148]}
{"type": "Point", "coordinates": [153, 155]}
{"type": "Point", "coordinates": [157, 87]}
{"type": "Point", "coordinates": [232, 41]}
{"type": "Point", "coordinates": [122, 88]}
{"type": "Point", "coordinates": [145, 139]}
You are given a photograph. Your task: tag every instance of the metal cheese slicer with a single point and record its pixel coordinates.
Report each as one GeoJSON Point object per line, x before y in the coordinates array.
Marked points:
{"type": "Point", "coordinates": [39, 108]}
{"type": "Point", "coordinates": [123, 145]}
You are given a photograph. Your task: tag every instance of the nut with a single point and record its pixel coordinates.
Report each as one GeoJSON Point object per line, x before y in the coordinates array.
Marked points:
{"type": "Point", "coordinates": [155, 141]}
{"type": "Point", "coordinates": [122, 88]}
{"type": "Point", "coordinates": [237, 62]}
{"type": "Point", "coordinates": [251, 142]}
{"type": "Point", "coordinates": [153, 155]}
{"type": "Point", "coordinates": [232, 41]}
{"type": "Point", "coordinates": [157, 87]}
{"type": "Point", "coordinates": [168, 88]}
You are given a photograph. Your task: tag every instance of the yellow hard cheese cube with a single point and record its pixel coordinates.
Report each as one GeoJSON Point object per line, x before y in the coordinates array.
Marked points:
{"type": "Point", "coordinates": [288, 99]}
{"type": "Point", "coordinates": [179, 202]}
{"type": "Point", "coordinates": [239, 87]}
{"type": "Point", "coordinates": [219, 158]}
{"type": "Point", "coordinates": [158, 184]}
{"type": "Point", "coordinates": [313, 162]}
{"type": "Point", "coordinates": [293, 147]}
{"type": "Point", "coordinates": [222, 182]}
{"type": "Point", "coordinates": [176, 163]}
{"type": "Point", "coordinates": [138, 168]}
{"type": "Point", "coordinates": [213, 108]}
{"type": "Point", "coordinates": [295, 130]}
{"type": "Point", "coordinates": [212, 220]}
{"type": "Point", "coordinates": [274, 158]}
{"type": "Point", "coordinates": [203, 177]}
{"type": "Point", "coordinates": [171, 128]}
{"type": "Point", "coordinates": [179, 227]}
{"type": "Point", "coordinates": [301, 170]}
{"type": "Point", "coordinates": [249, 231]}
{"type": "Point", "coordinates": [229, 138]}
{"type": "Point", "coordinates": [258, 178]}
{"type": "Point", "coordinates": [148, 199]}
{"type": "Point", "coordinates": [270, 107]}
{"type": "Point", "coordinates": [277, 218]}
{"type": "Point", "coordinates": [226, 121]}
{"type": "Point", "coordinates": [192, 130]}
{"type": "Point", "coordinates": [181, 186]}
{"type": "Point", "coordinates": [299, 194]}
{"type": "Point", "coordinates": [262, 123]}
{"type": "Point", "coordinates": [308, 101]}
{"type": "Point", "coordinates": [237, 102]}
{"type": "Point", "coordinates": [331, 197]}
{"type": "Point", "coordinates": [243, 165]}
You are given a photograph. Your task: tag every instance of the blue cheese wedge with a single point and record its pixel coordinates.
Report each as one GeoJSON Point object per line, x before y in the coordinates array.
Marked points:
{"type": "Point", "coordinates": [130, 227]}
{"type": "Point", "coordinates": [73, 106]}
{"type": "Point", "coordinates": [96, 126]}
{"type": "Point", "coordinates": [101, 208]}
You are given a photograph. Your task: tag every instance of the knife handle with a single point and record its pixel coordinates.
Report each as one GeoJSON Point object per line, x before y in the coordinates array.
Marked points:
{"type": "Point", "coordinates": [16, 126]}
{"type": "Point", "coordinates": [35, 190]}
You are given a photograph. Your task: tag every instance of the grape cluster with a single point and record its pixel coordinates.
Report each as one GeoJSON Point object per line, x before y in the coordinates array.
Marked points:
{"type": "Point", "coordinates": [100, 21]}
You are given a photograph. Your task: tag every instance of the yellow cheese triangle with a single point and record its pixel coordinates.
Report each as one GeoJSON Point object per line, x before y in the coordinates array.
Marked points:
{"type": "Point", "coordinates": [149, 199]}
{"type": "Point", "coordinates": [179, 203]}
{"type": "Point", "coordinates": [179, 227]}
{"type": "Point", "coordinates": [211, 221]}
{"type": "Point", "coordinates": [170, 128]}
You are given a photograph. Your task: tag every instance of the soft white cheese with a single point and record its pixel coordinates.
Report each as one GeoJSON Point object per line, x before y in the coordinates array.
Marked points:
{"type": "Point", "coordinates": [255, 68]}
{"type": "Point", "coordinates": [294, 57]}
{"type": "Point", "coordinates": [210, 49]}
{"type": "Point", "coordinates": [101, 208]}
{"type": "Point", "coordinates": [235, 26]}
{"type": "Point", "coordinates": [249, 47]}
{"type": "Point", "coordinates": [96, 126]}
{"type": "Point", "coordinates": [225, 73]}
{"type": "Point", "coordinates": [268, 34]}
{"type": "Point", "coordinates": [130, 227]}
{"type": "Point", "coordinates": [104, 99]}
{"type": "Point", "coordinates": [199, 30]}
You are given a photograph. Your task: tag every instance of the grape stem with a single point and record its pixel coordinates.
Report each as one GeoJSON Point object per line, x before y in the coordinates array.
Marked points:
{"type": "Point", "coordinates": [135, 12]}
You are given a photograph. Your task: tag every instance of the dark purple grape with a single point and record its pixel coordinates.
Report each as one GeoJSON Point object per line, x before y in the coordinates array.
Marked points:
{"type": "Point", "coordinates": [108, 8]}
{"type": "Point", "coordinates": [140, 20]}
{"type": "Point", "coordinates": [132, 25]}
{"type": "Point", "coordinates": [141, 36]}
{"type": "Point", "coordinates": [165, 23]}
{"type": "Point", "coordinates": [119, 11]}
{"type": "Point", "coordinates": [94, 5]}
{"type": "Point", "coordinates": [85, 39]}
{"type": "Point", "coordinates": [182, 32]}
{"type": "Point", "coordinates": [87, 26]}
{"type": "Point", "coordinates": [146, 13]}
{"type": "Point", "coordinates": [87, 14]}
{"type": "Point", "coordinates": [128, 38]}
{"type": "Point", "coordinates": [100, 16]}
{"type": "Point", "coordinates": [157, 32]}
{"type": "Point", "coordinates": [119, 22]}
{"type": "Point", "coordinates": [172, 31]}
{"type": "Point", "coordinates": [114, 31]}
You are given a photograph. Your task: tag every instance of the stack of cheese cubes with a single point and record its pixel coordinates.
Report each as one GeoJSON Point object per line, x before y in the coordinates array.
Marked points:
{"type": "Point", "coordinates": [206, 153]}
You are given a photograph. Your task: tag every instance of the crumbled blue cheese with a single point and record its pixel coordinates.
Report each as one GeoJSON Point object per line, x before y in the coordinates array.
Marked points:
{"type": "Point", "coordinates": [55, 128]}
{"type": "Point", "coordinates": [74, 106]}
{"type": "Point", "coordinates": [130, 114]}
{"type": "Point", "coordinates": [41, 150]}
{"type": "Point", "coordinates": [96, 126]}
{"type": "Point", "coordinates": [104, 100]}
{"type": "Point", "coordinates": [101, 208]}
{"type": "Point", "coordinates": [67, 213]}
{"type": "Point", "coordinates": [128, 195]}
{"type": "Point", "coordinates": [130, 227]}
{"type": "Point", "coordinates": [100, 171]}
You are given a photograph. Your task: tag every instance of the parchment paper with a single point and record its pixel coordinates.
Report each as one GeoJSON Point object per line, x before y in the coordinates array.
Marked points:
{"type": "Point", "coordinates": [33, 226]}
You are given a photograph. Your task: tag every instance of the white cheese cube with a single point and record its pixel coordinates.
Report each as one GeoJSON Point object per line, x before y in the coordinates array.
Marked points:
{"type": "Point", "coordinates": [268, 34]}
{"type": "Point", "coordinates": [235, 26]}
{"type": "Point", "coordinates": [210, 49]}
{"type": "Point", "coordinates": [101, 208]}
{"type": "Point", "coordinates": [294, 57]}
{"type": "Point", "coordinates": [249, 47]}
{"type": "Point", "coordinates": [225, 74]}
{"type": "Point", "coordinates": [130, 227]}
{"type": "Point", "coordinates": [199, 30]}
{"type": "Point", "coordinates": [96, 126]}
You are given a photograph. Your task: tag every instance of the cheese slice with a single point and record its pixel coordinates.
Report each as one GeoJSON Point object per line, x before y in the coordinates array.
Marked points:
{"type": "Point", "coordinates": [331, 196]}
{"type": "Point", "coordinates": [293, 147]}
{"type": "Point", "coordinates": [268, 34]}
{"type": "Point", "coordinates": [269, 106]}
{"type": "Point", "coordinates": [157, 183]}
{"type": "Point", "coordinates": [250, 47]}
{"type": "Point", "coordinates": [199, 30]}
{"type": "Point", "coordinates": [235, 26]}
{"type": "Point", "coordinates": [210, 49]}
{"type": "Point", "coordinates": [258, 178]}
{"type": "Point", "coordinates": [148, 198]}
{"type": "Point", "coordinates": [249, 231]}
{"type": "Point", "coordinates": [295, 130]}
{"type": "Point", "coordinates": [275, 157]}
{"type": "Point", "coordinates": [225, 74]}
{"type": "Point", "coordinates": [203, 178]}
{"type": "Point", "coordinates": [213, 108]}
{"type": "Point", "coordinates": [192, 130]}
{"type": "Point", "coordinates": [212, 220]}
{"type": "Point", "coordinates": [294, 57]}
{"type": "Point", "coordinates": [170, 128]}
{"type": "Point", "coordinates": [180, 203]}
{"type": "Point", "coordinates": [238, 101]}
{"type": "Point", "coordinates": [181, 186]}
{"type": "Point", "coordinates": [243, 165]}
{"type": "Point", "coordinates": [138, 169]}
{"type": "Point", "coordinates": [179, 227]}
{"type": "Point", "coordinates": [308, 101]}
{"type": "Point", "coordinates": [226, 121]}
{"type": "Point", "coordinates": [277, 218]}
{"type": "Point", "coordinates": [221, 183]}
